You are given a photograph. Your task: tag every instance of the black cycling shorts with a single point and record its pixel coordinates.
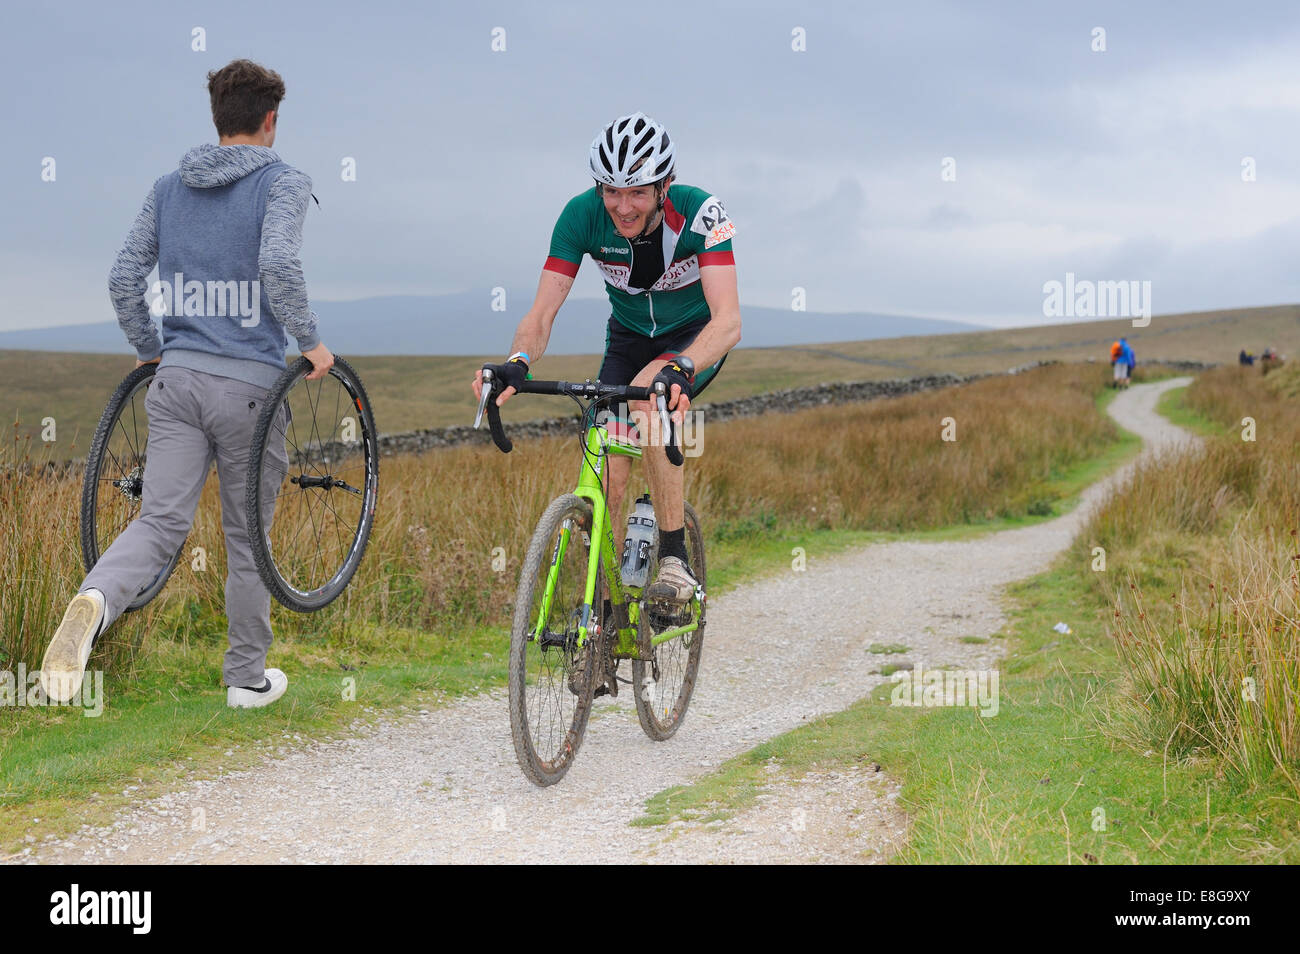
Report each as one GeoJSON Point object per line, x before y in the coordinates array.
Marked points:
{"type": "Point", "coordinates": [627, 353]}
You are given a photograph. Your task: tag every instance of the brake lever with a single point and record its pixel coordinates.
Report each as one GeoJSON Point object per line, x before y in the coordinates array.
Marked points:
{"type": "Point", "coordinates": [671, 449]}
{"type": "Point", "coordinates": [665, 419]}
{"type": "Point", "coordinates": [484, 398]}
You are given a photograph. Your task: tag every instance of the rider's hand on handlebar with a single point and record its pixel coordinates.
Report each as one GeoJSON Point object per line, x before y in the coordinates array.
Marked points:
{"type": "Point", "coordinates": [679, 402]}
{"type": "Point", "coordinates": [321, 361]}
{"type": "Point", "coordinates": [678, 382]}
{"type": "Point", "coordinates": [510, 377]}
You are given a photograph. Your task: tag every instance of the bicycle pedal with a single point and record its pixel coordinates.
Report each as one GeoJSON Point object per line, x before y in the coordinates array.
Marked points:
{"type": "Point", "coordinates": [668, 616]}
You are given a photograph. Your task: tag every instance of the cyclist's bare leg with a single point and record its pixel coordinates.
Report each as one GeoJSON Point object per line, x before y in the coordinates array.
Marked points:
{"type": "Point", "coordinates": [666, 481]}
{"type": "Point", "coordinates": [666, 484]}
{"type": "Point", "coordinates": [620, 468]}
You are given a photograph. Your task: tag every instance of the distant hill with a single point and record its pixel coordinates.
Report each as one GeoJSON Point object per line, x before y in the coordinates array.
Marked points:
{"type": "Point", "coordinates": [466, 324]}
{"type": "Point", "coordinates": [412, 390]}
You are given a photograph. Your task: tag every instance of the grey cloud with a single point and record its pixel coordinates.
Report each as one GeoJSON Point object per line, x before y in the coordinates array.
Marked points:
{"type": "Point", "coordinates": [827, 158]}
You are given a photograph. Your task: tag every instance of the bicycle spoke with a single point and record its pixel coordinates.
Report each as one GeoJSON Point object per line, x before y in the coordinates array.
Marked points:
{"type": "Point", "coordinates": [126, 437]}
{"type": "Point", "coordinates": [337, 394]}
{"type": "Point", "coordinates": [305, 499]}
{"type": "Point", "coordinates": [116, 462]}
{"type": "Point", "coordinates": [135, 427]}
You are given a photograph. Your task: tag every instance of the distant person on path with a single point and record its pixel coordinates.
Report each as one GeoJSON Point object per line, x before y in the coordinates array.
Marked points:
{"type": "Point", "coordinates": [1245, 358]}
{"type": "Point", "coordinates": [1269, 360]}
{"type": "Point", "coordinates": [1127, 359]}
{"type": "Point", "coordinates": [1116, 369]}
{"type": "Point", "coordinates": [230, 217]}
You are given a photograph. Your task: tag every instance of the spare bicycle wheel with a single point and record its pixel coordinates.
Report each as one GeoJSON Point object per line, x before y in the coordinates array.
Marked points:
{"type": "Point", "coordinates": [112, 489]}
{"type": "Point", "coordinates": [313, 483]}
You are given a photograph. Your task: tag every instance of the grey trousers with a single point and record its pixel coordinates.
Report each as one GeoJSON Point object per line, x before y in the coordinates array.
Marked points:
{"type": "Point", "coordinates": [194, 419]}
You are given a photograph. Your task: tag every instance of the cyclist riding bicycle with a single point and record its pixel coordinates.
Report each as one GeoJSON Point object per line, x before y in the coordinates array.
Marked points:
{"type": "Point", "coordinates": [665, 253]}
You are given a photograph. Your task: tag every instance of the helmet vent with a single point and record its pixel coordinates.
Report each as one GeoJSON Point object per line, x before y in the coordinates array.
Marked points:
{"type": "Point", "coordinates": [632, 151]}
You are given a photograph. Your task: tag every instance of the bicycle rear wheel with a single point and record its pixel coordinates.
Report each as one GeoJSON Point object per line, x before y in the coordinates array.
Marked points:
{"type": "Point", "coordinates": [664, 678]}
{"type": "Point", "coordinates": [314, 467]}
{"type": "Point", "coordinates": [112, 489]}
{"type": "Point", "coordinates": [552, 678]}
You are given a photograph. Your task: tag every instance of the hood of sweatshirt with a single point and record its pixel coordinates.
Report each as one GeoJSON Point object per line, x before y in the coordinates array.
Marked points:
{"type": "Point", "coordinates": [209, 166]}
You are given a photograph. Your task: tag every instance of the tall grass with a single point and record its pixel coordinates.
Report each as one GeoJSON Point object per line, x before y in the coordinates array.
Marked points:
{"type": "Point", "coordinates": [883, 465]}
{"type": "Point", "coordinates": [1221, 674]}
{"type": "Point", "coordinates": [1207, 616]}
{"type": "Point", "coordinates": [443, 514]}
{"type": "Point", "coordinates": [38, 543]}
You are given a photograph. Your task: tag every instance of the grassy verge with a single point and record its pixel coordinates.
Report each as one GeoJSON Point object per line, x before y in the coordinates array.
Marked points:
{"type": "Point", "coordinates": [1173, 406]}
{"type": "Point", "coordinates": [1043, 781]}
{"type": "Point", "coordinates": [1106, 748]}
{"type": "Point", "coordinates": [423, 621]}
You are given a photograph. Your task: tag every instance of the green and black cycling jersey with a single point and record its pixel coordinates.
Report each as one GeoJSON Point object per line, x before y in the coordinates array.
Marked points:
{"type": "Point", "coordinates": [696, 231]}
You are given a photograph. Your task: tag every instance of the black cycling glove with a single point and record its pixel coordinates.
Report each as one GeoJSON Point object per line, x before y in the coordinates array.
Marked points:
{"type": "Point", "coordinates": [512, 374]}
{"type": "Point", "coordinates": [680, 372]}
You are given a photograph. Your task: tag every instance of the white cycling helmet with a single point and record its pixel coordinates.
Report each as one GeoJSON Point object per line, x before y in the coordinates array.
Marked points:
{"type": "Point", "coordinates": [632, 151]}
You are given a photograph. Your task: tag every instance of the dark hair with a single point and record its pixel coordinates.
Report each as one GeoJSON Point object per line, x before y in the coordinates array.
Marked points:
{"type": "Point", "coordinates": [242, 94]}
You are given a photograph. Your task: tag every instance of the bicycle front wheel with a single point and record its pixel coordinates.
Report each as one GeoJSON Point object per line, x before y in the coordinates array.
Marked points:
{"type": "Point", "coordinates": [664, 678]}
{"type": "Point", "coordinates": [552, 678]}
{"type": "Point", "coordinates": [314, 467]}
{"type": "Point", "coordinates": [112, 489]}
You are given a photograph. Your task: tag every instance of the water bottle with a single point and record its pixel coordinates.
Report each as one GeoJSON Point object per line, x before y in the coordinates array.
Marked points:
{"type": "Point", "coordinates": [640, 538]}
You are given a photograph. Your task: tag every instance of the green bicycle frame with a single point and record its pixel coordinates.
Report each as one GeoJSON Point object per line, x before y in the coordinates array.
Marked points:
{"type": "Point", "coordinates": [625, 600]}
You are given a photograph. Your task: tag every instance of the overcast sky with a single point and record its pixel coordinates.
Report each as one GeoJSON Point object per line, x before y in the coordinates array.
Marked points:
{"type": "Point", "coordinates": [1122, 164]}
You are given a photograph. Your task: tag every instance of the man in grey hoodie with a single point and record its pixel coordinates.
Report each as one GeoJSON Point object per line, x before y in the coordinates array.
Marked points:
{"type": "Point", "coordinates": [225, 230]}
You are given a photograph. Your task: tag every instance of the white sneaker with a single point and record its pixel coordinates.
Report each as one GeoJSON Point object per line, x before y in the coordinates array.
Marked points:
{"type": "Point", "coordinates": [64, 665]}
{"type": "Point", "coordinates": [238, 697]}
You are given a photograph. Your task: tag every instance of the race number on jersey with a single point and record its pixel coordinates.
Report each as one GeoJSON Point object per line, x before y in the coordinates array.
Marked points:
{"type": "Point", "coordinates": [713, 223]}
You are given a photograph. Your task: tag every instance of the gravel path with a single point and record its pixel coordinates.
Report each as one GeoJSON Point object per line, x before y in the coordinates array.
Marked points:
{"type": "Point", "coordinates": [444, 786]}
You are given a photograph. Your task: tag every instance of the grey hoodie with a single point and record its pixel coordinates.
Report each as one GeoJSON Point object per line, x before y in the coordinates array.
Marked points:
{"type": "Point", "coordinates": [229, 220]}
